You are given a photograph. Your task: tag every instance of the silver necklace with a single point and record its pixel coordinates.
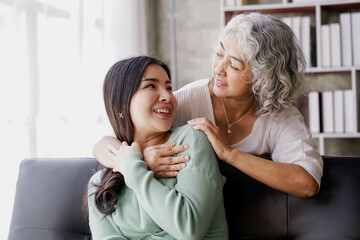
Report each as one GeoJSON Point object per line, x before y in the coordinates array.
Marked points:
{"type": "Point", "coordinates": [227, 120]}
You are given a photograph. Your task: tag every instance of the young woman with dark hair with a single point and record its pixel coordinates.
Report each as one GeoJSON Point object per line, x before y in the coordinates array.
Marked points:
{"type": "Point", "coordinates": [127, 202]}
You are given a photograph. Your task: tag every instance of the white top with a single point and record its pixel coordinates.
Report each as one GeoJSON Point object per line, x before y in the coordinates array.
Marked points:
{"type": "Point", "coordinates": [285, 137]}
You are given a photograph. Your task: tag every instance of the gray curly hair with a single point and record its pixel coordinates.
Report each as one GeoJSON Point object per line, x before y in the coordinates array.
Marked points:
{"type": "Point", "coordinates": [276, 59]}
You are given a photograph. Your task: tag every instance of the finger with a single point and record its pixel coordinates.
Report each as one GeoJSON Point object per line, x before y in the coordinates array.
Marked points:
{"type": "Point", "coordinates": [170, 167]}
{"type": "Point", "coordinates": [176, 167]}
{"type": "Point", "coordinates": [165, 145]}
{"type": "Point", "coordinates": [166, 174]}
{"type": "Point", "coordinates": [109, 153]}
{"type": "Point", "coordinates": [200, 121]}
{"type": "Point", "coordinates": [196, 121]}
{"type": "Point", "coordinates": [172, 150]}
{"type": "Point", "coordinates": [209, 131]}
{"type": "Point", "coordinates": [112, 148]}
{"type": "Point", "coordinates": [174, 160]}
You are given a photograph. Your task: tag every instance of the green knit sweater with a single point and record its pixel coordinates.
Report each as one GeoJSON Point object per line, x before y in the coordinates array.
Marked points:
{"type": "Point", "coordinates": [189, 206]}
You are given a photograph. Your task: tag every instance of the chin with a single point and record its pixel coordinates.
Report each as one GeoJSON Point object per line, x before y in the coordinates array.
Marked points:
{"type": "Point", "coordinates": [164, 128]}
{"type": "Point", "coordinates": [218, 92]}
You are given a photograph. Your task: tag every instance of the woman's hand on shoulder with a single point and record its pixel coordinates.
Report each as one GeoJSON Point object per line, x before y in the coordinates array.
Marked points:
{"type": "Point", "coordinates": [120, 153]}
{"type": "Point", "coordinates": [159, 160]}
{"type": "Point", "coordinates": [216, 138]}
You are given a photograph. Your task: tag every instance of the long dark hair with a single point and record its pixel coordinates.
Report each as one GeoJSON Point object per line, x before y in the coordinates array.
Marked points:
{"type": "Point", "coordinates": [120, 85]}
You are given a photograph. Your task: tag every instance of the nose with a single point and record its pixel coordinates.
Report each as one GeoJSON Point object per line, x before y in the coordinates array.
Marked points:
{"type": "Point", "coordinates": [220, 67]}
{"type": "Point", "coordinates": [165, 95]}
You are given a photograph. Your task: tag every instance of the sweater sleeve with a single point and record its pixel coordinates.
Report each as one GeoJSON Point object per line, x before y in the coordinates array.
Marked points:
{"type": "Point", "coordinates": [187, 210]}
{"type": "Point", "coordinates": [101, 227]}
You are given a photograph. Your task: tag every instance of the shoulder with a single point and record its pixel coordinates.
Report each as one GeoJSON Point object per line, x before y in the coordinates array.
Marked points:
{"type": "Point", "coordinates": [95, 179]}
{"type": "Point", "coordinates": [288, 124]}
{"type": "Point", "coordinates": [188, 134]}
{"type": "Point", "coordinates": [195, 139]}
{"type": "Point", "coordinates": [199, 85]}
{"type": "Point", "coordinates": [199, 147]}
{"type": "Point", "coordinates": [290, 116]}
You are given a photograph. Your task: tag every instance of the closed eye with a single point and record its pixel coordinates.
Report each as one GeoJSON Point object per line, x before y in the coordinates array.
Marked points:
{"type": "Point", "coordinates": [235, 68]}
{"type": "Point", "coordinates": [219, 54]}
{"type": "Point", "coordinates": [150, 86]}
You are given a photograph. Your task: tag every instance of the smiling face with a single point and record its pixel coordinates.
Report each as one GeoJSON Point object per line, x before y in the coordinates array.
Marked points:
{"type": "Point", "coordinates": [232, 77]}
{"type": "Point", "coordinates": [153, 106]}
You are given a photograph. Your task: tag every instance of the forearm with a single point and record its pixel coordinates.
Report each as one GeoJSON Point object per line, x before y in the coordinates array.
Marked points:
{"type": "Point", "coordinates": [286, 177]}
{"type": "Point", "coordinates": [100, 151]}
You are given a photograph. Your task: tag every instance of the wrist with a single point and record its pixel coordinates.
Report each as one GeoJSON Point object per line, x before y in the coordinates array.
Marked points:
{"type": "Point", "coordinates": [127, 160]}
{"type": "Point", "coordinates": [231, 156]}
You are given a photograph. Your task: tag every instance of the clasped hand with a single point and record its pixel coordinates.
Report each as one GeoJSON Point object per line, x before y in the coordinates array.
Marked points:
{"type": "Point", "coordinates": [158, 158]}
{"type": "Point", "coordinates": [118, 154]}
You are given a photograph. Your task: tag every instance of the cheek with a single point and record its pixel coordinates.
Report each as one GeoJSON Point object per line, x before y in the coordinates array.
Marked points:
{"type": "Point", "coordinates": [175, 103]}
{"type": "Point", "coordinates": [137, 105]}
{"type": "Point", "coordinates": [214, 63]}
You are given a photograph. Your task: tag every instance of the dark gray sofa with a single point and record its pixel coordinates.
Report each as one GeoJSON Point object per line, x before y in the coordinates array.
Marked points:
{"type": "Point", "coordinates": [48, 203]}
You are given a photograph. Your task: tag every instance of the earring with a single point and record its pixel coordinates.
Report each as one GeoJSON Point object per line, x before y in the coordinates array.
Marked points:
{"type": "Point", "coordinates": [122, 115]}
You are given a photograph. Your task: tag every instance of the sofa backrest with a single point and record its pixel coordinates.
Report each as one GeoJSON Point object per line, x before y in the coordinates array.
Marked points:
{"type": "Point", "coordinates": [256, 211]}
{"type": "Point", "coordinates": [49, 193]}
{"type": "Point", "coordinates": [48, 199]}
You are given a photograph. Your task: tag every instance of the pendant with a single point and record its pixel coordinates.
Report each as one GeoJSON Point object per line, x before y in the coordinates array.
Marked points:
{"type": "Point", "coordinates": [229, 132]}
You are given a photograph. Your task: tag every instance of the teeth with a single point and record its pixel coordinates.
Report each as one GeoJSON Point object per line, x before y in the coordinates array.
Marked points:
{"type": "Point", "coordinates": [162, 111]}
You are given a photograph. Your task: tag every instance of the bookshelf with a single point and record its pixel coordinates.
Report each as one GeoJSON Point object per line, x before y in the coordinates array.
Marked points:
{"type": "Point", "coordinates": [322, 75]}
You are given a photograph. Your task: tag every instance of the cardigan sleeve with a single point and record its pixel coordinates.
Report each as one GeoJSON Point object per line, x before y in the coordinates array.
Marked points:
{"type": "Point", "coordinates": [102, 227]}
{"type": "Point", "coordinates": [186, 211]}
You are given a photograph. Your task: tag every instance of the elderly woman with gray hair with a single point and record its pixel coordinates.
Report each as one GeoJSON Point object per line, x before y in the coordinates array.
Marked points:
{"type": "Point", "coordinates": [246, 109]}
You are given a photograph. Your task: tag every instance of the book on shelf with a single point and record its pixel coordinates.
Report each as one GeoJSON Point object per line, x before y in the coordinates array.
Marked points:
{"type": "Point", "coordinates": [335, 45]}
{"type": "Point", "coordinates": [339, 111]}
{"type": "Point", "coordinates": [296, 27]}
{"type": "Point", "coordinates": [314, 104]}
{"type": "Point", "coordinates": [301, 26]}
{"type": "Point", "coordinates": [240, 2]}
{"type": "Point", "coordinates": [305, 38]}
{"type": "Point", "coordinates": [346, 45]}
{"type": "Point", "coordinates": [325, 46]}
{"type": "Point", "coordinates": [349, 109]}
{"type": "Point", "coordinates": [310, 1]}
{"type": "Point", "coordinates": [288, 21]}
{"type": "Point", "coordinates": [230, 3]}
{"type": "Point", "coordinates": [355, 31]}
{"type": "Point", "coordinates": [234, 3]}
{"type": "Point", "coordinates": [328, 111]}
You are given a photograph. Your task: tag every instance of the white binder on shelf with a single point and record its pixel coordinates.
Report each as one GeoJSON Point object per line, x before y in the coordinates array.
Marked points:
{"type": "Point", "coordinates": [296, 27]}
{"type": "Point", "coordinates": [339, 111]}
{"type": "Point", "coordinates": [355, 31]}
{"type": "Point", "coordinates": [349, 109]}
{"type": "Point", "coordinates": [328, 111]}
{"type": "Point", "coordinates": [325, 46]}
{"type": "Point", "coordinates": [335, 45]}
{"type": "Point", "coordinates": [305, 38]}
{"type": "Point", "coordinates": [288, 21]}
{"type": "Point", "coordinates": [314, 111]}
{"type": "Point", "coordinates": [346, 43]}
